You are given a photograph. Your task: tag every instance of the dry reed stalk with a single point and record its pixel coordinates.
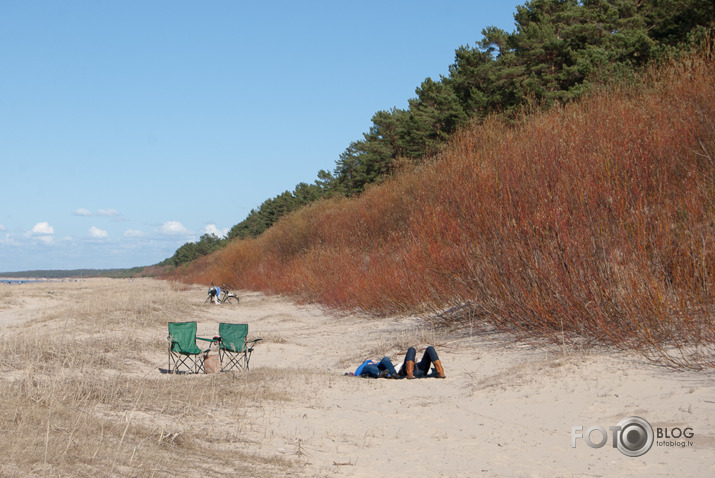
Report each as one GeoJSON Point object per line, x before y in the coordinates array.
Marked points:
{"type": "Point", "coordinates": [592, 222]}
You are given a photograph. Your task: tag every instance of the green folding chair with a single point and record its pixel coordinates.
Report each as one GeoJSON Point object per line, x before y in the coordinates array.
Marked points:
{"type": "Point", "coordinates": [234, 349]}
{"type": "Point", "coordinates": [183, 351]}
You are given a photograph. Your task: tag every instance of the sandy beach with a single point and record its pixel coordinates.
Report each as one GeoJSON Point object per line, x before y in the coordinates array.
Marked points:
{"type": "Point", "coordinates": [506, 408]}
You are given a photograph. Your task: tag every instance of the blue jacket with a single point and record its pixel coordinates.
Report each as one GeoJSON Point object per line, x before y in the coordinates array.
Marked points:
{"type": "Point", "coordinates": [358, 371]}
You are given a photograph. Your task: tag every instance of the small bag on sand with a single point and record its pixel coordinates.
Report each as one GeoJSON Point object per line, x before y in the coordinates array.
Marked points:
{"type": "Point", "coordinates": [211, 363]}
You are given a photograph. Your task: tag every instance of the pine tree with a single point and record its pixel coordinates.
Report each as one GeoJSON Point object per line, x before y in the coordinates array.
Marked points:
{"type": "Point", "coordinates": [434, 115]}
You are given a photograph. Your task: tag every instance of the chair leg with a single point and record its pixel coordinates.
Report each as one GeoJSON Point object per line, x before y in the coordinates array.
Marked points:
{"type": "Point", "coordinates": [176, 361]}
{"type": "Point", "coordinates": [193, 363]}
{"type": "Point", "coordinates": [200, 363]}
{"type": "Point", "coordinates": [233, 360]}
{"type": "Point", "coordinates": [247, 357]}
{"type": "Point", "coordinates": [179, 362]}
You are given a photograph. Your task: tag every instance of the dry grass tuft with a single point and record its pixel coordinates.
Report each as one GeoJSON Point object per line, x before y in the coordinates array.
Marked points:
{"type": "Point", "coordinates": [82, 394]}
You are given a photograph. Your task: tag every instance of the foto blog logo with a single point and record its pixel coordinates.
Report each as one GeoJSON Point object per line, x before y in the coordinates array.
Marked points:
{"type": "Point", "coordinates": [633, 436]}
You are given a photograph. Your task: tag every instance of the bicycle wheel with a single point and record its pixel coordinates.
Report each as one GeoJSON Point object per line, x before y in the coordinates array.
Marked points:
{"type": "Point", "coordinates": [208, 300]}
{"type": "Point", "coordinates": [231, 299]}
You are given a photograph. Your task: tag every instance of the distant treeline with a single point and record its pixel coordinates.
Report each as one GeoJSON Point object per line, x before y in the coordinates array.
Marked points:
{"type": "Point", "coordinates": [559, 49]}
{"type": "Point", "coordinates": [75, 273]}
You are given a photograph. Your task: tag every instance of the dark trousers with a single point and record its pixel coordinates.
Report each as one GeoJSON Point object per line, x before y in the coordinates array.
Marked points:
{"type": "Point", "coordinates": [422, 367]}
{"type": "Point", "coordinates": [373, 371]}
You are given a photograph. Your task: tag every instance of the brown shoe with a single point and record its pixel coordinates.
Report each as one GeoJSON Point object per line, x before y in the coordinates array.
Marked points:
{"type": "Point", "coordinates": [439, 369]}
{"type": "Point", "coordinates": [410, 369]}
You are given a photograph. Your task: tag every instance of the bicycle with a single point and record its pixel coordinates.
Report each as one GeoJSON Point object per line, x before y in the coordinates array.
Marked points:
{"type": "Point", "coordinates": [226, 296]}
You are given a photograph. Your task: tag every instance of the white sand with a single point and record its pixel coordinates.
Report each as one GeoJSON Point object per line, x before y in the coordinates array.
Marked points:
{"type": "Point", "coordinates": [505, 408]}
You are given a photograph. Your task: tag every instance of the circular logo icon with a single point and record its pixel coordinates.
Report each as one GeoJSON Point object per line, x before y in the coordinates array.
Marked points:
{"type": "Point", "coordinates": [635, 436]}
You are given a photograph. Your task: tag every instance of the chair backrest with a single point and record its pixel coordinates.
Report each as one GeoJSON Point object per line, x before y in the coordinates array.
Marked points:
{"type": "Point", "coordinates": [233, 336]}
{"type": "Point", "coordinates": [183, 337]}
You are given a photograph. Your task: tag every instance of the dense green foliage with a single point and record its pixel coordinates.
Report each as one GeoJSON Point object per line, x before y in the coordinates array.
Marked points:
{"type": "Point", "coordinates": [207, 244]}
{"type": "Point", "coordinates": [271, 210]}
{"type": "Point", "coordinates": [557, 51]}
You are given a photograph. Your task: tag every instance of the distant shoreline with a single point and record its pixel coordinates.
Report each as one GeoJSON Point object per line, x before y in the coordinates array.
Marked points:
{"type": "Point", "coordinates": [60, 274]}
{"type": "Point", "coordinates": [20, 280]}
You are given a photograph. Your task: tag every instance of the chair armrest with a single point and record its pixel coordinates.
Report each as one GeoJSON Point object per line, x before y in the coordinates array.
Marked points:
{"type": "Point", "coordinates": [207, 340]}
{"type": "Point", "coordinates": [252, 342]}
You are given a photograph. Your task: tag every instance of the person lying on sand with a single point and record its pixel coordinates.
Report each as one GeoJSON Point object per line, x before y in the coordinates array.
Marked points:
{"type": "Point", "coordinates": [408, 369]}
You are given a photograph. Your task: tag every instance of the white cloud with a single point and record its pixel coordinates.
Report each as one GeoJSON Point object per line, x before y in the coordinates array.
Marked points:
{"type": "Point", "coordinates": [42, 229]}
{"type": "Point", "coordinates": [2, 228]}
{"type": "Point", "coordinates": [9, 240]}
{"type": "Point", "coordinates": [133, 233]}
{"type": "Point", "coordinates": [212, 229]}
{"type": "Point", "coordinates": [108, 213]}
{"type": "Point", "coordinates": [98, 233]}
{"type": "Point", "coordinates": [173, 227]}
{"type": "Point", "coordinates": [113, 213]}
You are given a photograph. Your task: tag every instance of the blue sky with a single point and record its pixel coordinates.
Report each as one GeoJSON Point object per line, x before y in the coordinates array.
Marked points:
{"type": "Point", "coordinates": [130, 128]}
